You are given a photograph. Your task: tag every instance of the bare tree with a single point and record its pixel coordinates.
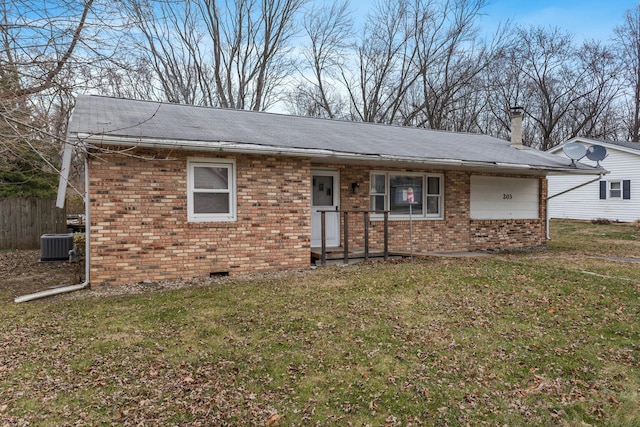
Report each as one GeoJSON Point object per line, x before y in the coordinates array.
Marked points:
{"type": "Point", "coordinates": [329, 30]}
{"type": "Point", "coordinates": [171, 48]}
{"type": "Point", "coordinates": [128, 77]}
{"type": "Point", "coordinates": [450, 59]}
{"type": "Point", "coordinates": [417, 64]}
{"type": "Point", "coordinates": [228, 53]}
{"type": "Point", "coordinates": [40, 45]}
{"type": "Point", "coordinates": [627, 37]}
{"type": "Point", "coordinates": [564, 90]}
{"type": "Point", "coordinates": [594, 112]}
{"type": "Point", "coordinates": [384, 63]}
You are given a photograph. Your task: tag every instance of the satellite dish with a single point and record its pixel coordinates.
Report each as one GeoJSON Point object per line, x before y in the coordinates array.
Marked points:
{"type": "Point", "coordinates": [596, 153]}
{"type": "Point", "coordinates": [574, 151]}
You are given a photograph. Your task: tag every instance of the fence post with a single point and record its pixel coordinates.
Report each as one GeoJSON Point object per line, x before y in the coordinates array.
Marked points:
{"type": "Point", "coordinates": [346, 237]}
{"type": "Point", "coordinates": [366, 235]}
{"type": "Point", "coordinates": [323, 232]}
{"type": "Point", "coordinates": [386, 235]}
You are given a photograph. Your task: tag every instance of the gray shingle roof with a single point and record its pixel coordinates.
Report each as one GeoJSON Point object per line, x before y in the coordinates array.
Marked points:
{"type": "Point", "coordinates": [160, 124]}
{"type": "Point", "coordinates": [626, 144]}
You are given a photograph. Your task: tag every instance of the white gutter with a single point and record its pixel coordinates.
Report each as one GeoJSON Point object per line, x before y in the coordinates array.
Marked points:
{"type": "Point", "coordinates": [246, 148]}
{"type": "Point", "coordinates": [566, 191]}
{"type": "Point", "coordinates": [83, 285]}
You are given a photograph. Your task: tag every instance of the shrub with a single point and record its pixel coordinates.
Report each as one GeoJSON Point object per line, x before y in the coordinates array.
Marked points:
{"type": "Point", "coordinates": [601, 221]}
{"type": "Point", "coordinates": [79, 240]}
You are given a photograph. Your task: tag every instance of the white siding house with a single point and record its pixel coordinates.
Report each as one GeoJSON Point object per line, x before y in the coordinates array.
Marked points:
{"type": "Point", "coordinates": [615, 196]}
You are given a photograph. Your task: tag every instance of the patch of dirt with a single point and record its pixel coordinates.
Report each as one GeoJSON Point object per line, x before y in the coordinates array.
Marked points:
{"type": "Point", "coordinates": [146, 286]}
{"type": "Point", "coordinates": [21, 273]}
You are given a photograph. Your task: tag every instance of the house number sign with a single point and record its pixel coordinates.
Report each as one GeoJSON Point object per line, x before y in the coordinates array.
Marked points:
{"type": "Point", "coordinates": [507, 196]}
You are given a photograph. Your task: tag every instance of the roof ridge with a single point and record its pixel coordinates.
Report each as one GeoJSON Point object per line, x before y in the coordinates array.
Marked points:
{"type": "Point", "coordinates": [233, 110]}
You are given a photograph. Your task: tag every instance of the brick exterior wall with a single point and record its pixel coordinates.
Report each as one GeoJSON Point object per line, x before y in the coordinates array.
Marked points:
{"type": "Point", "coordinates": [455, 232]}
{"type": "Point", "coordinates": [139, 227]}
{"type": "Point", "coordinates": [448, 234]}
{"type": "Point", "coordinates": [512, 234]}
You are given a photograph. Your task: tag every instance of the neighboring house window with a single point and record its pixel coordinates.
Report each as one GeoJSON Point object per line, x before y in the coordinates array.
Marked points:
{"type": "Point", "coordinates": [211, 190]}
{"type": "Point", "coordinates": [392, 191]}
{"type": "Point", "coordinates": [615, 189]}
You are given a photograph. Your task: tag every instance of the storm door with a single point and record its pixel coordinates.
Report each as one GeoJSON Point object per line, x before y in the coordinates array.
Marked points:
{"type": "Point", "coordinates": [325, 196]}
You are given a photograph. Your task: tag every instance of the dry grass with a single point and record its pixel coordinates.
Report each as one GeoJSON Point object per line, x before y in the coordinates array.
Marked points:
{"type": "Point", "coordinates": [546, 338]}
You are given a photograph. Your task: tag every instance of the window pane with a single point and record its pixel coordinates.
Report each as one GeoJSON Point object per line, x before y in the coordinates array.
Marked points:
{"type": "Point", "coordinates": [399, 187]}
{"type": "Point", "coordinates": [377, 203]}
{"type": "Point", "coordinates": [322, 191]}
{"type": "Point", "coordinates": [204, 203]}
{"type": "Point", "coordinates": [615, 189]}
{"type": "Point", "coordinates": [433, 185]}
{"type": "Point", "coordinates": [378, 184]}
{"type": "Point", "coordinates": [433, 205]}
{"type": "Point", "coordinates": [211, 178]}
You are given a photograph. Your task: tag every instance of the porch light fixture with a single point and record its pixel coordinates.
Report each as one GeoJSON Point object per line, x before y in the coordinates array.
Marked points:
{"type": "Point", "coordinates": [355, 187]}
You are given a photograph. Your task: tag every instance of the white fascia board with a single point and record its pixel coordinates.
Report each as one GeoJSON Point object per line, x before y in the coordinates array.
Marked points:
{"type": "Point", "coordinates": [246, 148]}
{"type": "Point", "coordinates": [571, 171]}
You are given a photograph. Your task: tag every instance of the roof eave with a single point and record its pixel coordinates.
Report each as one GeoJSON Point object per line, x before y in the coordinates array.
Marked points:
{"type": "Point", "coordinates": [324, 155]}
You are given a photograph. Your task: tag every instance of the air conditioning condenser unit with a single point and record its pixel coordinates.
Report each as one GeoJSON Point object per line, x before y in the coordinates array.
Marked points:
{"type": "Point", "coordinates": [55, 247]}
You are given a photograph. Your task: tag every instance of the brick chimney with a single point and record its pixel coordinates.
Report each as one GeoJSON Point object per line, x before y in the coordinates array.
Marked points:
{"type": "Point", "coordinates": [516, 127]}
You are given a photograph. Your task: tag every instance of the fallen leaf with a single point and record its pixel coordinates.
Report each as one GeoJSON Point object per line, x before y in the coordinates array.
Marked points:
{"type": "Point", "coordinates": [273, 419]}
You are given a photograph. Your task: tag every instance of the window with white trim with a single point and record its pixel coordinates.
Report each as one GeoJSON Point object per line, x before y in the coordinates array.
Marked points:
{"type": "Point", "coordinates": [211, 195]}
{"type": "Point", "coordinates": [615, 189]}
{"type": "Point", "coordinates": [393, 191]}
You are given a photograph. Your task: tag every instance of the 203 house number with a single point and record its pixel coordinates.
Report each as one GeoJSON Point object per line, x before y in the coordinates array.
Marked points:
{"type": "Point", "coordinates": [506, 196]}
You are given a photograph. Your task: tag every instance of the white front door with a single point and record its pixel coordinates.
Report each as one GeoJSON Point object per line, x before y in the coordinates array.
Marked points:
{"type": "Point", "coordinates": [325, 196]}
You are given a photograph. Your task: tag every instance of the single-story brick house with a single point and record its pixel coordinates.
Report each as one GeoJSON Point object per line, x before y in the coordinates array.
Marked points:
{"type": "Point", "coordinates": [182, 191]}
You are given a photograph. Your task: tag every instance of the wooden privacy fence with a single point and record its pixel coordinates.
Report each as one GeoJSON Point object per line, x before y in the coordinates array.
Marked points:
{"type": "Point", "coordinates": [24, 220]}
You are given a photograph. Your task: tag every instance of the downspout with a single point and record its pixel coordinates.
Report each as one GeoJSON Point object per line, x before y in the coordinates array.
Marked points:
{"type": "Point", "coordinates": [83, 285]}
{"type": "Point", "coordinates": [566, 191]}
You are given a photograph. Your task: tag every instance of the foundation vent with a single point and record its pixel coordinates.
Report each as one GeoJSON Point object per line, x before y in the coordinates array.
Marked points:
{"type": "Point", "coordinates": [214, 274]}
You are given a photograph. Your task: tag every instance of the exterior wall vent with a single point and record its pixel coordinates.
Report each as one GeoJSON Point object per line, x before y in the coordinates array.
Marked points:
{"type": "Point", "coordinates": [218, 274]}
{"type": "Point", "coordinates": [55, 247]}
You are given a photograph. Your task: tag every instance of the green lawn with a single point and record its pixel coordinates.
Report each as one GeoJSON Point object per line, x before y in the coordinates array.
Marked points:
{"type": "Point", "coordinates": [540, 338]}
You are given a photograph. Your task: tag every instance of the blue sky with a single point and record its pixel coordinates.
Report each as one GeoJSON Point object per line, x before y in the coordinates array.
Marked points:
{"type": "Point", "coordinates": [586, 19]}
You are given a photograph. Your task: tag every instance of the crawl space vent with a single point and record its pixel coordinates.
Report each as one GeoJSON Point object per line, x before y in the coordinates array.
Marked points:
{"type": "Point", "coordinates": [218, 274]}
